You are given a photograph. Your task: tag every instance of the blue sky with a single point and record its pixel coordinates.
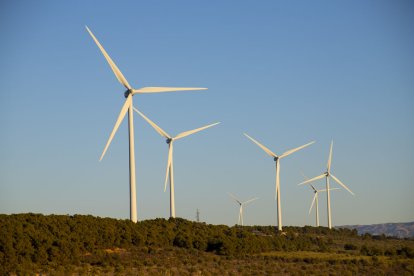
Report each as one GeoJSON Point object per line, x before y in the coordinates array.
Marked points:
{"type": "Point", "coordinates": [285, 72]}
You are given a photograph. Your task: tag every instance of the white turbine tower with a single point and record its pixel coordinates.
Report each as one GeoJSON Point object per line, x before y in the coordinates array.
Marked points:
{"type": "Point", "coordinates": [240, 220]}
{"type": "Point", "coordinates": [170, 164]}
{"type": "Point", "coordinates": [277, 158]}
{"type": "Point", "coordinates": [127, 107]}
{"type": "Point", "coordinates": [327, 175]}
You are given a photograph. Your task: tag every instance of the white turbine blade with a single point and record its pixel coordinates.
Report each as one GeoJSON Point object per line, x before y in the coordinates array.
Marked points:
{"type": "Point", "coordinates": [331, 189]}
{"type": "Point", "coordinates": [313, 202]}
{"type": "Point", "coordinates": [304, 176]}
{"type": "Point", "coordinates": [342, 184]}
{"type": "Point", "coordinates": [154, 125]}
{"type": "Point", "coordinates": [295, 149]}
{"type": "Point", "coordinates": [268, 151]}
{"type": "Point", "coordinates": [250, 200]}
{"type": "Point", "coordinates": [145, 90]}
{"type": "Point", "coordinates": [121, 116]}
{"type": "Point", "coordinates": [328, 166]}
{"type": "Point", "coordinates": [186, 133]}
{"type": "Point", "coordinates": [114, 68]}
{"type": "Point", "coordinates": [170, 153]}
{"type": "Point", "coordinates": [313, 179]}
{"type": "Point", "coordinates": [235, 198]}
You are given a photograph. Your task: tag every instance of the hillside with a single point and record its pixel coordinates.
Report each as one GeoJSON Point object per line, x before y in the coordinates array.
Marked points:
{"type": "Point", "coordinates": [399, 230]}
{"type": "Point", "coordinates": [34, 243]}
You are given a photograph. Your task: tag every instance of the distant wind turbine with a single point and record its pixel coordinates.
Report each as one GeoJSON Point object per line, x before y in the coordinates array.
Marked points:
{"type": "Point", "coordinates": [327, 175]}
{"type": "Point", "coordinates": [277, 158]}
{"type": "Point", "coordinates": [170, 164]}
{"type": "Point", "coordinates": [240, 220]}
{"type": "Point", "coordinates": [315, 201]}
{"type": "Point", "coordinates": [127, 107]}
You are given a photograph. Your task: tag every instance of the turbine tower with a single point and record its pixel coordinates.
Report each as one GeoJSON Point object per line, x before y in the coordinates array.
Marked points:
{"type": "Point", "coordinates": [328, 175]}
{"type": "Point", "coordinates": [127, 107]}
{"type": "Point", "coordinates": [240, 220]}
{"type": "Point", "coordinates": [170, 167]}
{"type": "Point", "coordinates": [277, 158]}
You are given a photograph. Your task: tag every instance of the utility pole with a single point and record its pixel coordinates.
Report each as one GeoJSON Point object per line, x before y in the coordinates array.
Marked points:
{"type": "Point", "coordinates": [198, 215]}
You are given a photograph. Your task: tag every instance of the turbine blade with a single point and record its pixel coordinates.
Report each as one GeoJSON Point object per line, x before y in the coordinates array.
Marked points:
{"type": "Point", "coordinates": [235, 198]}
{"type": "Point", "coordinates": [328, 165]}
{"type": "Point", "coordinates": [145, 90]}
{"type": "Point", "coordinates": [331, 189]}
{"type": "Point", "coordinates": [304, 176]}
{"type": "Point", "coordinates": [342, 184]}
{"type": "Point", "coordinates": [313, 202]}
{"type": "Point", "coordinates": [313, 179]}
{"type": "Point", "coordinates": [314, 188]}
{"type": "Point", "coordinates": [114, 68]}
{"type": "Point", "coordinates": [186, 133]}
{"type": "Point", "coordinates": [268, 151]}
{"type": "Point", "coordinates": [154, 125]}
{"type": "Point", "coordinates": [121, 116]}
{"type": "Point", "coordinates": [170, 153]}
{"type": "Point", "coordinates": [295, 149]}
{"type": "Point", "coordinates": [250, 200]}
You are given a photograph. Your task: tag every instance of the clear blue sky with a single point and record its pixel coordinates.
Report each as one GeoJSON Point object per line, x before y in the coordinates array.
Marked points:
{"type": "Point", "coordinates": [286, 72]}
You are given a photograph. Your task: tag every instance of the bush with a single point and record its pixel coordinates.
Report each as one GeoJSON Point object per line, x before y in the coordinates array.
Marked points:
{"type": "Point", "coordinates": [349, 246]}
{"type": "Point", "coordinates": [406, 252]}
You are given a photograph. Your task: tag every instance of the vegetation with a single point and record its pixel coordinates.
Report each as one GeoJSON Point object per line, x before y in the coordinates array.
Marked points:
{"type": "Point", "coordinates": [34, 243]}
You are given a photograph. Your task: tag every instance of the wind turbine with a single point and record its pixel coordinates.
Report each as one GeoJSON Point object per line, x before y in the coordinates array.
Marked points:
{"type": "Point", "coordinates": [327, 175]}
{"type": "Point", "coordinates": [240, 221]}
{"type": "Point", "coordinates": [315, 201]}
{"type": "Point", "coordinates": [127, 107]}
{"type": "Point", "coordinates": [277, 158]}
{"type": "Point", "coordinates": [170, 164]}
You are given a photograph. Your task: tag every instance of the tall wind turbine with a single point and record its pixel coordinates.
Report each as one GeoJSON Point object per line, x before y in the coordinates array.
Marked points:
{"type": "Point", "coordinates": [327, 175]}
{"type": "Point", "coordinates": [240, 221]}
{"type": "Point", "coordinates": [315, 201]}
{"type": "Point", "coordinates": [127, 107]}
{"type": "Point", "coordinates": [170, 164]}
{"type": "Point", "coordinates": [277, 158]}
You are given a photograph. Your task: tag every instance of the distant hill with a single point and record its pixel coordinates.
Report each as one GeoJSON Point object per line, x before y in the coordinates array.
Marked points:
{"type": "Point", "coordinates": [400, 230]}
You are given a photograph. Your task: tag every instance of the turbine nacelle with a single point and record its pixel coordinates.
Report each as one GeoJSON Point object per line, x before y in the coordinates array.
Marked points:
{"type": "Point", "coordinates": [168, 141]}
{"type": "Point", "coordinates": [276, 158]}
{"type": "Point", "coordinates": [126, 93]}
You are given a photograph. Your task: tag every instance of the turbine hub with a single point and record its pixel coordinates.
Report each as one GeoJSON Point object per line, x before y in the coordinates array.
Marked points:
{"type": "Point", "coordinates": [126, 94]}
{"type": "Point", "coordinates": [275, 159]}
{"type": "Point", "coordinates": [168, 140]}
